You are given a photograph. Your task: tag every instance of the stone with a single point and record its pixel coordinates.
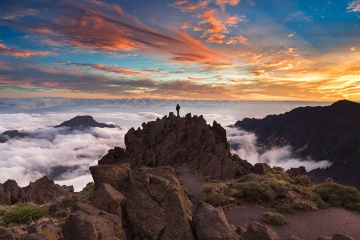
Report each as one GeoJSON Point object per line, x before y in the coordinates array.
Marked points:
{"type": "Point", "coordinates": [113, 156]}
{"type": "Point", "coordinates": [157, 205]}
{"type": "Point", "coordinates": [258, 231]}
{"type": "Point", "coordinates": [48, 230]}
{"type": "Point", "coordinates": [89, 223]}
{"type": "Point", "coordinates": [35, 236]}
{"type": "Point", "coordinates": [339, 236]}
{"type": "Point", "coordinates": [108, 199]}
{"type": "Point", "coordinates": [291, 237]}
{"type": "Point", "coordinates": [44, 190]}
{"type": "Point", "coordinates": [323, 238]}
{"type": "Point", "coordinates": [17, 194]}
{"type": "Point", "coordinates": [116, 175]}
{"type": "Point", "coordinates": [261, 168]}
{"type": "Point", "coordinates": [293, 172]}
{"type": "Point", "coordinates": [211, 223]}
{"type": "Point", "coordinates": [5, 196]}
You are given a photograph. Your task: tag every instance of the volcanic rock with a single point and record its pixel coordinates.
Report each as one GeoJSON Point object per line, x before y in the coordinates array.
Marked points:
{"type": "Point", "coordinates": [117, 175]}
{"type": "Point", "coordinates": [113, 156]}
{"type": "Point", "coordinates": [17, 194]}
{"type": "Point", "coordinates": [44, 190]}
{"type": "Point", "coordinates": [261, 168]}
{"type": "Point", "coordinates": [84, 122]}
{"type": "Point", "coordinates": [157, 205]}
{"type": "Point", "coordinates": [258, 231]}
{"type": "Point", "coordinates": [89, 223]}
{"type": "Point", "coordinates": [108, 199]}
{"type": "Point", "coordinates": [5, 196]}
{"type": "Point", "coordinates": [211, 223]}
{"type": "Point", "coordinates": [321, 133]}
{"type": "Point", "coordinates": [339, 236]}
{"type": "Point", "coordinates": [293, 172]}
{"type": "Point", "coordinates": [47, 231]}
{"type": "Point", "coordinates": [188, 140]}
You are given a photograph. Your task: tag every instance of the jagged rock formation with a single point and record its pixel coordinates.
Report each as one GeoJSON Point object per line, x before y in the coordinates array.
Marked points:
{"type": "Point", "coordinates": [17, 194]}
{"type": "Point", "coordinates": [45, 190]}
{"type": "Point", "coordinates": [323, 133]}
{"type": "Point", "coordinates": [84, 122]}
{"type": "Point", "coordinates": [172, 141]}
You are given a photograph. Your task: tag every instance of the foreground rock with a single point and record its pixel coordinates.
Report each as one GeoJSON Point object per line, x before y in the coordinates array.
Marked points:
{"type": "Point", "coordinates": [44, 190]}
{"type": "Point", "coordinates": [89, 223]}
{"type": "Point", "coordinates": [211, 223]}
{"type": "Point", "coordinates": [158, 207]}
{"type": "Point", "coordinates": [258, 231]}
{"type": "Point", "coordinates": [173, 141]}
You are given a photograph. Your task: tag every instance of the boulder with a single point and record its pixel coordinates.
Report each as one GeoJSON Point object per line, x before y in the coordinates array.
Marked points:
{"type": "Point", "coordinates": [211, 223]}
{"type": "Point", "coordinates": [258, 231]}
{"type": "Point", "coordinates": [157, 205]}
{"type": "Point", "coordinates": [108, 199]}
{"type": "Point", "coordinates": [89, 223]}
{"type": "Point", "coordinates": [44, 190]}
{"type": "Point", "coordinates": [17, 194]}
{"type": "Point", "coordinates": [116, 175]}
{"type": "Point", "coordinates": [261, 168]}
{"type": "Point", "coordinates": [293, 172]}
{"type": "Point", "coordinates": [291, 237]}
{"type": "Point", "coordinates": [339, 236]}
{"type": "Point", "coordinates": [5, 196]}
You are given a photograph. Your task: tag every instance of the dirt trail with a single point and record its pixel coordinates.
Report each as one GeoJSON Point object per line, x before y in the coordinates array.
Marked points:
{"type": "Point", "coordinates": [305, 225]}
{"type": "Point", "coordinates": [191, 182]}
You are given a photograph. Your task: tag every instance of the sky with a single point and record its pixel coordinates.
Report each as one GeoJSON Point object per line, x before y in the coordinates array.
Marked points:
{"type": "Point", "coordinates": [302, 50]}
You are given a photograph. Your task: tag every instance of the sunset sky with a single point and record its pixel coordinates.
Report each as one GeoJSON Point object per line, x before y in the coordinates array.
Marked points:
{"type": "Point", "coordinates": [181, 49]}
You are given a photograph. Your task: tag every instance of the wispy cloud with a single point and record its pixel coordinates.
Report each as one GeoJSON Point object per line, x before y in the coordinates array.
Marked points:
{"type": "Point", "coordinates": [354, 6]}
{"type": "Point", "coordinates": [4, 50]}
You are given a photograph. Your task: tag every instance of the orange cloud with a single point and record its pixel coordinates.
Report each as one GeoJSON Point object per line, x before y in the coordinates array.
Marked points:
{"type": "Point", "coordinates": [4, 50]}
{"type": "Point", "coordinates": [186, 6]}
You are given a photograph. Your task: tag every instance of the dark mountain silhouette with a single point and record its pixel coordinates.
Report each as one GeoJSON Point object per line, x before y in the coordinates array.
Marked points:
{"type": "Point", "coordinates": [84, 122]}
{"type": "Point", "coordinates": [323, 133]}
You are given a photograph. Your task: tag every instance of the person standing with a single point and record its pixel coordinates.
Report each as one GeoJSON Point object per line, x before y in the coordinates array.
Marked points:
{"type": "Point", "coordinates": [178, 110]}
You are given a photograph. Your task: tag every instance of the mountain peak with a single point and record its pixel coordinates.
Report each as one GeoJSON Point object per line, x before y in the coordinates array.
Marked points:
{"type": "Point", "coordinates": [84, 122]}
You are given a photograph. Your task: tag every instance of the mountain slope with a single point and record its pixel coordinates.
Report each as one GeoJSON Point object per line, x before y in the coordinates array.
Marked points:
{"type": "Point", "coordinates": [84, 122]}
{"type": "Point", "coordinates": [323, 133]}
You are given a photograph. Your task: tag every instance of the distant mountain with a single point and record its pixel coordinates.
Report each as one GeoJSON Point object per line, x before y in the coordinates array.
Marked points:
{"type": "Point", "coordinates": [323, 133]}
{"type": "Point", "coordinates": [84, 122]}
{"type": "Point", "coordinates": [76, 123]}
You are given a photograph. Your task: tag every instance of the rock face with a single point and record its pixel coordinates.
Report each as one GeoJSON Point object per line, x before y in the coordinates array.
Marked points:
{"type": "Point", "coordinates": [323, 133]}
{"type": "Point", "coordinates": [158, 207]}
{"type": "Point", "coordinates": [117, 175]}
{"type": "Point", "coordinates": [5, 196]}
{"type": "Point", "coordinates": [113, 156]}
{"type": "Point", "coordinates": [173, 140]}
{"type": "Point", "coordinates": [17, 194]}
{"type": "Point", "coordinates": [211, 223]}
{"type": "Point", "coordinates": [45, 190]}
{"type": "Point", "coordinates": [84, 122]}
{"type": "Point", "coordinates": [89, 223]}
{"type": "Point", "coordinates": [45, 231]}
{"type": "Point", "coordinates": [109, 199]}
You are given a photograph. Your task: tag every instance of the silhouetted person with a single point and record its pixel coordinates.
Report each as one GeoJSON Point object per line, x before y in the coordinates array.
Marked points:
{"type": "Point", "coordinates": [178, 110]}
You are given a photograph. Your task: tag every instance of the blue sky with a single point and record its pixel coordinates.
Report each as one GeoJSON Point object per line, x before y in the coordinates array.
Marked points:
{"type": "Point", "coordinates": [181, 49]}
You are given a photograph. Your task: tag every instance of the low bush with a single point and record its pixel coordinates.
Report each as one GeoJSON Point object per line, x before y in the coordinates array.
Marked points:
{"type": "Point", "coordinates": [275, 219]}
{"type": "Point", "coordinates": [338, 195]}
{"type": "Point", "coordinates": [23, 213]}
{"type": "Point", "coordinates": [211, 195]}
{"type": "Point", "coordinates": [2, 212]}
{"type": "Point", "coordinates": [87, 193]}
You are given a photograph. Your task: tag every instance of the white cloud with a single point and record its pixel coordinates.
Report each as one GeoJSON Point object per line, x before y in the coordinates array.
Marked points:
{"type": "Point", "coordinates": [354, 6]}
{"type": "Point", "coordinates": [244, 144]}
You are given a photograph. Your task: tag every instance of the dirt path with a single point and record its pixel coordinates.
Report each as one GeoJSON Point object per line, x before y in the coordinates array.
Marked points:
{"type": "Point", "coordinates": [305, 225]}
{"type": "Point", "coordinates": [191, 182]}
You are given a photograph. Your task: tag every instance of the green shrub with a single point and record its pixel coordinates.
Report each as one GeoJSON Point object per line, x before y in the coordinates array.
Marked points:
{"type": "Point", "coordinates": [212, 196]}
{"type": "Point", "coordinates": [23, 213]}
{"type": "Point", "coordinates": [87, 193]}
{"type": "Point", "coordinates": [2, 212]}
{"type": "Point", "coordinates": [255, 192]}
{"type": "Point", "coordinates": [339, 195]}
{"type": "Point", "coordinates": [275, 219]}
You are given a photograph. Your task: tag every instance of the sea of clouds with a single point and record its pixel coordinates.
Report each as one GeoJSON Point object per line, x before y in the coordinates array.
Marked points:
{"type": "Point", "coordinates": [65, 155]}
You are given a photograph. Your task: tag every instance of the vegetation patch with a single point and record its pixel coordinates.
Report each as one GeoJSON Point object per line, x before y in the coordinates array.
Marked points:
{"type": "Point", "coordinates": [23, 213]}
{"type": "Point", "coordinates": [2, 212]}
{"type": "Point", "coordinates": [274, 219]}
{"type": "Point", "coordinates": [87, 193]}
{"type": "Point", "coordinates": [338, 195]}
{"type": "Point", "coordinates": [214, 194]}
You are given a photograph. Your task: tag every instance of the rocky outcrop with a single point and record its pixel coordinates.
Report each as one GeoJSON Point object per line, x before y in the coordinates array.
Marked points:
{"type": "Point", "coordinates": [116, 175]}
{"type": "Point", "coordinates": [300, 171]}
{"type": "Point", "coordinates": [211, 223]}
{"type": "Point", "coordinates": [44, 190]}
{"type": "Point", "coordinates": [17, 194]}
{"type": "Point", "coordinates": [5, 196]}
{"type": "Point", "coordinates": [80, 122]}
{"type": "Point", "coordinates": [89, 223]}
{"type": "Point", "coordinates": [321, 133]}
{"type": "Point", "coordinates": [258, 231]}
{"type": "Point", "coordinates": [157, 205]}
{"type": "Point", "coordinates": [173, 140]}
{"type": "Point", "coordinates": [44, 231]}
{"type": "Point", "coordinates": [339, 236]}
{"type": "Point", "coordinates": [113, 156]}
{"type": "Point", "coordinates": [261, 168]}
